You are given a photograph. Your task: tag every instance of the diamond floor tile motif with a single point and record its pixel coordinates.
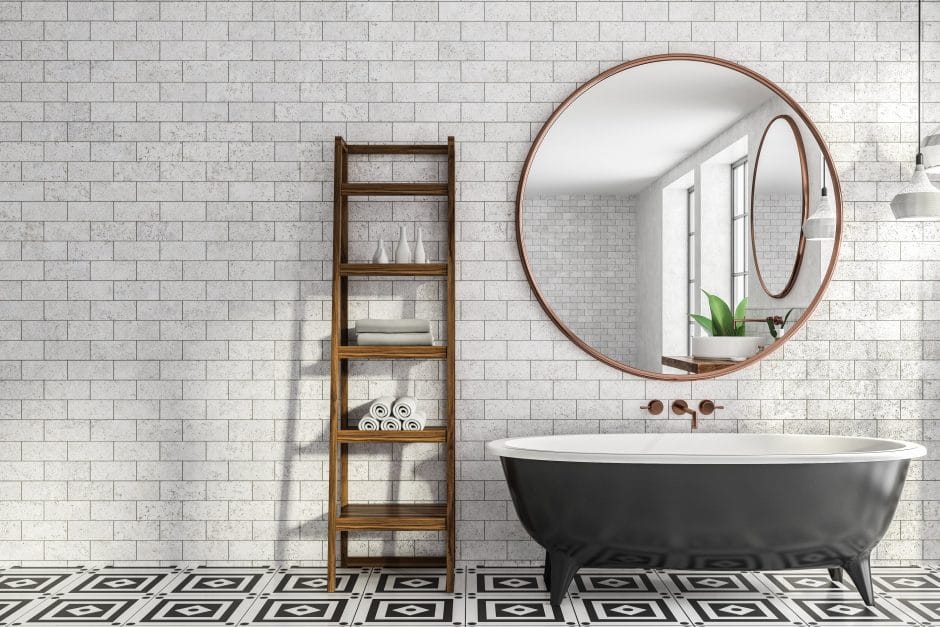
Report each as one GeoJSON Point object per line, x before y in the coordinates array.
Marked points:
{"type": "Point", "coordinates": [82, 612]}
{"type": "Point", "coordinates": [274, 612]}
{"type": "Point", "coordinates": [194, 611]}
{"type": "Point", "coordinates": [399, 610]}
{"type": "Point", "coordinates": [504, 610]}
{"type": "Point", "coordinates": [632, 609]}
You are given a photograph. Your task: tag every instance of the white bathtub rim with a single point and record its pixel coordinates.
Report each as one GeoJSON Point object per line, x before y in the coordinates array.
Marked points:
{"type": "Point", "coordinates": [887, 450]}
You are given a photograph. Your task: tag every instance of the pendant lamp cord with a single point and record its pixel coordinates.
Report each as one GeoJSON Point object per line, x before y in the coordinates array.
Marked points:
{"type": "Point", "coordinates": [920, 157]}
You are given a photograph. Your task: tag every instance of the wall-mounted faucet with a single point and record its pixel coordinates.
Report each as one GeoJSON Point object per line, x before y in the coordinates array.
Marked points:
{"type": "Point", "coordinates": [705, 407]}
{"type": "Point", "coordinates": [680, 407]}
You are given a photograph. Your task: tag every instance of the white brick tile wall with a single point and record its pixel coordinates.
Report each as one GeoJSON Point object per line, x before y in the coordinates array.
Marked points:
{"type": "Point", "coordinates": [165, 217]}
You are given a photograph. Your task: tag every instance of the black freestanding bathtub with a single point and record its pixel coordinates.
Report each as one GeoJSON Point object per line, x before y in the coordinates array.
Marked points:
{"type": "Point", "coordinates": [705, 501]}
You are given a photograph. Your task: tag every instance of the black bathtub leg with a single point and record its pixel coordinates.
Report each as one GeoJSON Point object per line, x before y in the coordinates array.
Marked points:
{"type": "Point", "coordinates": [859, 571]}
{"type": "Point", "coordinates": [560, 569]}
{"type": "Point", "coordinates": [835, 574]}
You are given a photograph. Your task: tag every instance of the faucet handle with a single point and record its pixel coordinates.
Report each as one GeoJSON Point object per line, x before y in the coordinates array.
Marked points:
{"type": "Point", "coordinates": [655, 407]}
{"type": "Point", "coordinates": [706, 407]}
{"type": "Point", "coordinates": [679, 407]}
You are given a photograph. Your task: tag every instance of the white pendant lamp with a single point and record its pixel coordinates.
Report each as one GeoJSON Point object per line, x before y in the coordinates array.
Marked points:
{"type": "Point", "coordinates": [821, 224]}
{"type": "Point", "coordinates": [919, 199]}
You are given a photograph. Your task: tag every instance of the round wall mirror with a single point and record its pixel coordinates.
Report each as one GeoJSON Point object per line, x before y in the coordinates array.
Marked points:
{"type": "Point", "coordinates": [636, 226]}
{"type": "Point", "coordinates": [779, 206]}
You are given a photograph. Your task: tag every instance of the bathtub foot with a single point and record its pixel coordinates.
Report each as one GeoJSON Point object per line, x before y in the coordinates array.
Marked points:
{"type": "Point", "coordinates": [835, 574]}
{"type": "Point", "coordinates": [560, 569]}
{"type": "Point", "coordinates": [859, 571]}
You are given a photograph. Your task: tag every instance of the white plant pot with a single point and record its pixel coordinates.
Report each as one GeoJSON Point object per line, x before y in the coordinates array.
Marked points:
{"type": "Point", "coordinates": [735, 348]}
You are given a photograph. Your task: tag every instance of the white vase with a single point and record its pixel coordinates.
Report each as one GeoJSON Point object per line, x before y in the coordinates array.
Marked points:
{"type": "Point", "coordinates": [735, 348]}
{"type": "Point", "coordinates": [380, 256]}
{"type": "Point", "coordinates": [403, 250]}
{"type": "Point", "coordinates": [421, 255]}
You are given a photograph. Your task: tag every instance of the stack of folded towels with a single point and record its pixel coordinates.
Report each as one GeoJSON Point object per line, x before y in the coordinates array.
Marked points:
{"type": "Point", "coordinates": [390, 414]}
{"type": "Point", "coordinates": [378, 332]}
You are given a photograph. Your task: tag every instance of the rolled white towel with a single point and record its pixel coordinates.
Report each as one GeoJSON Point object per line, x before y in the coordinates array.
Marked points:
{"type": "Point", "coordinates": [391, 424]}
{"type": "Point", "coordinates": [381, 407]}
{"type": "Point", "coordinates": [415, 422]}
{"type": "Point", "coordinates": [404, 407]}
{"type": "Point", "coordinates": [368, 423]}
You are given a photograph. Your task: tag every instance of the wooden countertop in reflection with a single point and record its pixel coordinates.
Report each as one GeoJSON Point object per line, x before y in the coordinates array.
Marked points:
{"type": "Point", "coordinates": [697, 366]}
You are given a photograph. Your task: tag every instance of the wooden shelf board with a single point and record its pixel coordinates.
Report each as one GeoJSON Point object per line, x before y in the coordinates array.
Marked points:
{"type": "Point", "coordinates": [397, 516]}
{"type": "Point", "coordinates": [431, 434]}
{"type": "Point", "coordinates": [392, 352]}
{"type": "Point", "coordinates": [697, 366]}
{"type": "Point", "coordinates": [393, 189]}
{"type": "Point", "coordinates": [396, 561]}
{"type": "Point", "coordinates": [393, 269]}
{"type": "Point", "coordinates": [396, 149]}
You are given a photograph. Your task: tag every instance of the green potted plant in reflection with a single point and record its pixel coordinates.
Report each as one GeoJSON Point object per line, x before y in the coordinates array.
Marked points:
{"type": "Point", "coordinates": [726, 338]}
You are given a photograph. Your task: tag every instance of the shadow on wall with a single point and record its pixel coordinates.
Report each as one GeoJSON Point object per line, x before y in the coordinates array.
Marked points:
{"type": "Point", "coordinates": [290, 527]}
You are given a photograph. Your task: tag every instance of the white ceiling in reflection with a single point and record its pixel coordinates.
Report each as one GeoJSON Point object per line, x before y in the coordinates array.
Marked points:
{"type": "Point", "coordinates": [631, 128]}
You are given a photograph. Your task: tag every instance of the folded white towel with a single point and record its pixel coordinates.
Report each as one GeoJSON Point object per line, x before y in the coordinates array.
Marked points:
{"type": "Point", "coordinates": [415, 422]}
{"type": "Point", "coordinates": [391, 424]}
{"type": "Point", "coordinates": [368, 423]}
{"type": "Point", "coordinates": [379, 325]}
{"type": "Point", "coordinates": [394, 339]}
{"type": "Point", "coordinates": [381, 407]}
{"type": "Point", "coordinates": [404, 407]}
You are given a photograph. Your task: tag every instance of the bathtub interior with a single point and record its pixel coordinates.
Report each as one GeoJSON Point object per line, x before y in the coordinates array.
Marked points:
{"type": "Point", "coordinates": [705, 448]}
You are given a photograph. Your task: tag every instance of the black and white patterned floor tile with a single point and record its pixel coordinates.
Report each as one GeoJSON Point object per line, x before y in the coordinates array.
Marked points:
{"type": "Point", "coordinates": [726, 610]}
{"type": "Point", "coordinates": [398, 609]}
{"type": "Point", "coordinates": [711, 582]}
{"type": "Point", "coordinates": [80, 611]}
{"type": "Point", "coordinates": [410, 581]}
{"type": "Point", "coordinates": [902, 580]}
{"type": "Point", "coordinates": [34, 581]}
{"type": "Point", "coordinates": [515, 581]}
{"type": "Point", "coordinates": [222, 581]}
{"type": "Point", "coordinates": [122, 581]}
{"type": "Point", "coordinates": [312, 581]}
{"type": "Point", "coordinates": [619, 581]}
{"type": "Point", "coordinates": [805, 582]}
{"type": "Point", "coordinates": [500, 609]}
{"type": "Point", "coordinates": [281, 611]}
{"type": "Point", "coordinates": [635, 609]}
{"type": "Point", "coordinates": [188, 612]}
{"type": "Point", "coordinates": [840, 609]}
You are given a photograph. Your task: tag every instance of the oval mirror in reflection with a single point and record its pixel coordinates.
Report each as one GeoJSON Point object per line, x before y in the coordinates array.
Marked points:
{"type": "Point", "coordinates": [634, 217]}
{"type": "Point", "coordinates": [779, 206]}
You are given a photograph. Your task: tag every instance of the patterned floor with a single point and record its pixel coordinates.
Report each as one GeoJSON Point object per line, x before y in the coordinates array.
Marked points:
{"type": "Point", "coordinates": [274, 597]}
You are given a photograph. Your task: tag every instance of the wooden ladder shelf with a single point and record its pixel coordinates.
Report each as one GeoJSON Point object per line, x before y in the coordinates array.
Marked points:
{"type": "Point", "coordinates": [343, 515]}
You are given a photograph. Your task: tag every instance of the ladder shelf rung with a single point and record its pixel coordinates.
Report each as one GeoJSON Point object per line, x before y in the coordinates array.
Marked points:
{"type": "Point", "coordinates": [393, 189]}
{"type": "Point", "coordinates": [396, 149]}
{"type": "Point", "coordinates": [398, 516]}
{"type": "Point", "coordinates": [393, 269]}
{"type": "Point", "coordinates": [392, 352]}
{"type": "Point", "coordinates": [429, 434]}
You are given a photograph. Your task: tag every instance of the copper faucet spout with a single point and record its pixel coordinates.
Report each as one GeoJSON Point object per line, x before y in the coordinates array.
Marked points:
{"type": "Point", "coordinates": [680, 407]}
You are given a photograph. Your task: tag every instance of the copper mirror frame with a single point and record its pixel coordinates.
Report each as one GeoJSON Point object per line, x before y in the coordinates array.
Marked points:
{"type": "Point", "coordinates": [827, 160]}
{"type": "Point", "coordinates": [804, 213]}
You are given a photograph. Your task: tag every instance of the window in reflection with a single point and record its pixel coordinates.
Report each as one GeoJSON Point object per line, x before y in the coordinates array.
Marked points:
{"type": "Point", "coordinates": [739, 230]}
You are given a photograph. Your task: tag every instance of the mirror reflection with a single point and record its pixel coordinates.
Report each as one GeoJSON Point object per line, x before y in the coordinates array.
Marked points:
{"type": "Point", "coordinates": [779, 206]}
{"type": "Point", "coordinates": [636, 222]}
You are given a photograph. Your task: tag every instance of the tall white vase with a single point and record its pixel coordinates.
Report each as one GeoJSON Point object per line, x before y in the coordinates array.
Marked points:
{"type": "Point", "coordinates": [380, 256]}
{"type": "Point", "coordinates": [403, 250]}
{"type": "Point", "coordinates": [421, 256]}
